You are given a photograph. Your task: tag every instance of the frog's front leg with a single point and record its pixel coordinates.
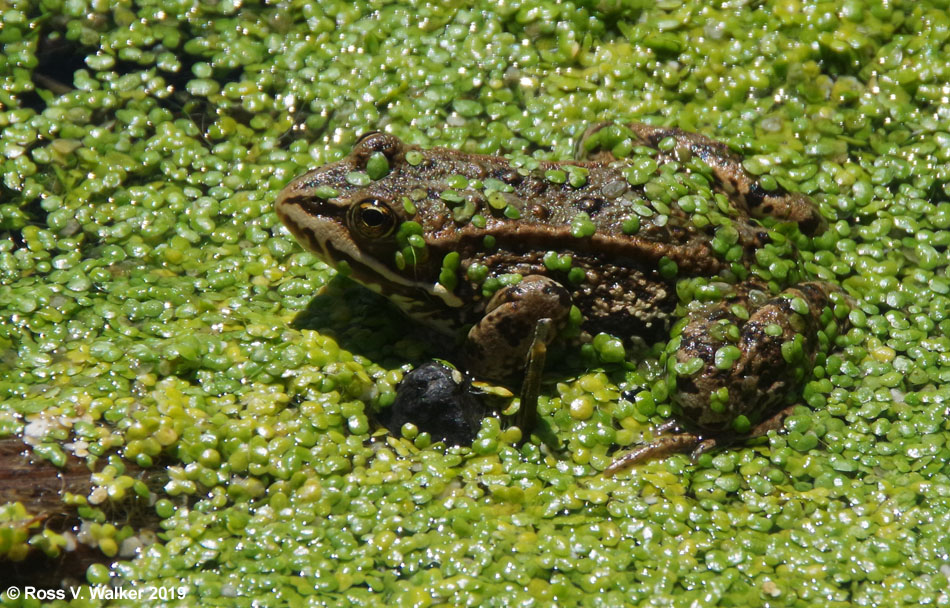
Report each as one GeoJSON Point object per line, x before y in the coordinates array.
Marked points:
{"type": "Point", "coordinates": [496, 346]}
{"type": "Point", "coordinates": [510, 339]}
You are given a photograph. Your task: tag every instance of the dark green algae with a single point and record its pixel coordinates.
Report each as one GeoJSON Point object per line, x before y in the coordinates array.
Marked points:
{"type": "Point", "coordinates": [149, 298]}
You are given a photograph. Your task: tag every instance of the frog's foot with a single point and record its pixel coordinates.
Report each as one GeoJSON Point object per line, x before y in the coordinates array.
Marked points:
{"type": "Point", "coordinates": [680, 441]}
{"type": "Point", "coordinates": [731, 177]}
{"type": "Point", "coordinates": [735, 363]}
{"type": "Point", "coordinates": [661, 446]}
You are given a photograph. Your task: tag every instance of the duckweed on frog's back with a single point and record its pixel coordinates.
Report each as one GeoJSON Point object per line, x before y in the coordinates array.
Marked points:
{"type": "Point", "coordinates": [484, 247]}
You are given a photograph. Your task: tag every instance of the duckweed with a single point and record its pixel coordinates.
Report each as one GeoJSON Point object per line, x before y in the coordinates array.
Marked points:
{"type": "Point", "coordinates": [556, 176]}
{"type": "Point", "coordinates": [377, 166]}
{"type": "Point", "coordinates": [477, 272]}
{"type": "Point", "coordinates": [511, 212]}
{"type": "Point", "coordinates": [358, 178]}
{"type": "Point", "coordinates": [155, 311]}
{"type": "Point", "coordinates": [630, 225]}
{"type": "Point", "coordinates": [576, 176]}
{"type": "Point", "coordinates": [582, 226]}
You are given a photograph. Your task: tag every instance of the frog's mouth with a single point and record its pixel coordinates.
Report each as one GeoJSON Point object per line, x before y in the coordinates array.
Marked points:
{"type": "Point", "coordinates": [322, 226]}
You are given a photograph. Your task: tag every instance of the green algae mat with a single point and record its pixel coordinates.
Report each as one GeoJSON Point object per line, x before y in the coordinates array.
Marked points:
{"type": "Point", "coordinates": [156, 318]}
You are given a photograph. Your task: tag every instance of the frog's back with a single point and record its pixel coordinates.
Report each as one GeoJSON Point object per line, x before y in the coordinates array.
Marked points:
{"type": "Point", "coordinates": [616, 233]}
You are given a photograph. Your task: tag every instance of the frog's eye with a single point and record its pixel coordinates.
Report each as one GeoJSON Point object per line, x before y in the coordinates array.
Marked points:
{"type": "Point", "coordinates": [372, 219]}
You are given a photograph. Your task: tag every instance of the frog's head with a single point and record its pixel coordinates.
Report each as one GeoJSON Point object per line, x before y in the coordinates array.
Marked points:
{"type": "Point", "coordinates": [356, 213]}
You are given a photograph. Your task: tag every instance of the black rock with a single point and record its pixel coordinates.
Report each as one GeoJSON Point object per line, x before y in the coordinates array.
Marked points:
{"type": "Point", "coordinates": [438, 400]}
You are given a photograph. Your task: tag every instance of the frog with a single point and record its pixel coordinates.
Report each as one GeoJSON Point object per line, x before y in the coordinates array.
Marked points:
{"type": "Point", "coordinates": [507, 255]}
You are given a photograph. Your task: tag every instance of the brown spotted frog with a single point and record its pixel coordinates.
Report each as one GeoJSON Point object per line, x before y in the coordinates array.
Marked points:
{"type": "Point", "coordinates": [514, 253]}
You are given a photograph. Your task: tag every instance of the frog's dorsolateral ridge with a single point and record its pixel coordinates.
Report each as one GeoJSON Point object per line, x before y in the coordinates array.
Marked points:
{"type": "Point", "coordinates": [485, 247]}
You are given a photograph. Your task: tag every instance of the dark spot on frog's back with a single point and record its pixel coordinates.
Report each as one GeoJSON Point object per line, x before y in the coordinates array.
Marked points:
{"type": "Point", "coordinates": [590, 205]}
{"type": "Point", "coordinates": [539, 211]}
{"type": "Point", "coordinates": [755, 332]}
{"type": "Point", "coordinates": [755, 195]}
{"type": "Point", "coordinates": [509, 176]}
{"type": "Point", "coordinates": [696, 346]}
{"type": "Point", "coordinates": [534, 187]}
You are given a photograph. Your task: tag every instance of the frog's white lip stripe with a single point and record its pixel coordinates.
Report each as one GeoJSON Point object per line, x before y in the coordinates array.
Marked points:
{"type": "Point", "coordinates": [331, 241]}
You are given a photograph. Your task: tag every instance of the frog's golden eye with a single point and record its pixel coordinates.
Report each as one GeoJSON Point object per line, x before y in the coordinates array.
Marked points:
{"type": "Point", "coordinates": [372, 219]}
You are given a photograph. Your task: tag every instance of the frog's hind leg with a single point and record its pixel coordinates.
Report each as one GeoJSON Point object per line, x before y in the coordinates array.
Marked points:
{"type": "Point", "coordinates": [737, 362]}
